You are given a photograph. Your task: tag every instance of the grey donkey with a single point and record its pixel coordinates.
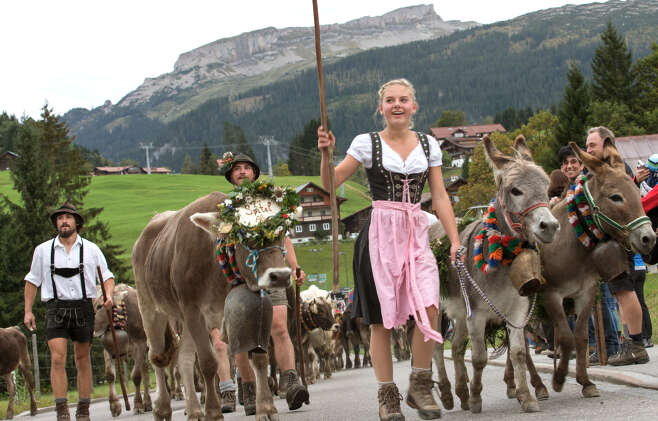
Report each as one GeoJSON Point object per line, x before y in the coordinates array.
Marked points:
{"type": "Point", "coordinates": [521, 195]}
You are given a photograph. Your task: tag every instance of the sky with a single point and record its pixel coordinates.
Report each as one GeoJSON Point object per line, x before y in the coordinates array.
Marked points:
{"type": "Point", "coordinates": [80, 53]}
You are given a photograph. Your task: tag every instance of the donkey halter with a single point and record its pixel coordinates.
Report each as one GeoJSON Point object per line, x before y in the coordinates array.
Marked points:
{"type": "Point", "coordinates": [518, 226]}
{"type": "Point", "coordinates": [599, 216]}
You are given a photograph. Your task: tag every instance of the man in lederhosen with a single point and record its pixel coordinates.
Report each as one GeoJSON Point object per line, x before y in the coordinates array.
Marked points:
{"type": "Point", "coordinates": [65, 269]}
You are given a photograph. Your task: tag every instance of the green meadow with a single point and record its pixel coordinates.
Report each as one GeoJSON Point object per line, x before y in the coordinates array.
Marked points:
{"type": "Point", "coordinates": [129, 202]}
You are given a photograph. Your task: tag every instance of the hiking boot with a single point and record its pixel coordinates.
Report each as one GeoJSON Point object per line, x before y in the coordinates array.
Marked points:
{"type": "Point", "coordinates": [594, 359]}
{"type": "Point", "coordinates": [283, 387]}
{"type": "Point", "coordinates": [647, 342]}
{"type": "Point", "coordinates": [419, 395]}
{"type": "Point", "coordinates": [82, 412]}
{"type": "Point", "coordinates": [228, 401]}
{"type": "Point", "coordinates": [389, 403]}
{"type": "Point", "coordinates": [63, 411]}
{"type": "Point", "coordinates": [296, 394]}
{"type": "Point", "coordinates": [631, 353]}
{"type": "Point", "coordinates": [249, 396]}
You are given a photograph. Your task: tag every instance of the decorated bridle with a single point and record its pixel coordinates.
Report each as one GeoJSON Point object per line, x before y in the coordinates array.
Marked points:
{"type": "Point", "coordinates": [599, 216]}
{"type": "Point", "coordinates": [226, 258]}
{"type": "Point", "coordinates": [518, 226]}
{"type": "Point", "coordinates": [254, 254]}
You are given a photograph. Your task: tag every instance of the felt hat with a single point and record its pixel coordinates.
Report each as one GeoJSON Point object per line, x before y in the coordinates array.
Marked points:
{"type": "Point", "coordinates": [240, 158]}
{"type": "Point", "coordinates": [67, 207]}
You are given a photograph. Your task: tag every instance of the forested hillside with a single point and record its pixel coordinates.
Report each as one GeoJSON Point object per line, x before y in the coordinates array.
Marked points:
{"type": "Point", "coordinates": [518, 63]}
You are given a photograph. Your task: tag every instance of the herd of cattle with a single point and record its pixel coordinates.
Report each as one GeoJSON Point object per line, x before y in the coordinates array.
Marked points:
{"type": "Point", "coordinates": [331, 340]}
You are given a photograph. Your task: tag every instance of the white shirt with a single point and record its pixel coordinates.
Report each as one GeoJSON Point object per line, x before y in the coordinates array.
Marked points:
{"type": "Point", "coordinates": [67, 288]}
{"type": "Point", "coordinates": [361, 150]}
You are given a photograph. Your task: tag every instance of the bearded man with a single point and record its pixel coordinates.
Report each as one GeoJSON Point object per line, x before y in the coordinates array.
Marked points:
{"type": "Point", "coordinates": [65, 269]}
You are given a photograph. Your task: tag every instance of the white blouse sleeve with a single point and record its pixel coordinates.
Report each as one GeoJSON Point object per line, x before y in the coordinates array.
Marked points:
{"type": "Point", "coordinates": [361, 149]}
{"type": "Point", "coordinates": [436, 156]}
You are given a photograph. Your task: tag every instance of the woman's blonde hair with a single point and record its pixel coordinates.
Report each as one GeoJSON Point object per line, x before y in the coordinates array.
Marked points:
{"type": "Point", "coordinates": [402, 82]}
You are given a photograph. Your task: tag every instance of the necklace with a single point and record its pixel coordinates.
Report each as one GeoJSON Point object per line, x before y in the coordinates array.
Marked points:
{"type": "Point", "coordinates": [502, 248]}
{"type": "Point", "coordinates": [589, 234]}
{"type": "Point", "coordinates": [226, 259]}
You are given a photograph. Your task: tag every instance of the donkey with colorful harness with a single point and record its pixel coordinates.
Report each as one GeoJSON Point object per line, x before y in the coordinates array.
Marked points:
{"type": "Point", "coordinates": [601, 216]}
{"type": "Point", "coordinates": [518, 219]}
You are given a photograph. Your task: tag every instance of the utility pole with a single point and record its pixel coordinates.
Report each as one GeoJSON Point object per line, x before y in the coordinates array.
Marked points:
{"type": "Point", "coordinates": [268, 140]}
{"type": "Point", "coordinates": [148, 161]}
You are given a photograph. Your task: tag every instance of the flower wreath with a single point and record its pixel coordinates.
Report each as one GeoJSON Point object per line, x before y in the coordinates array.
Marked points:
{"type": "Point", "coordinates": [227, 160]}
{"type": "Point", "coordinates": [266, 231]}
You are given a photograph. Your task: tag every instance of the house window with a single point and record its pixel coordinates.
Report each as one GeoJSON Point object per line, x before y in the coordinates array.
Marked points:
{"type": "Point", "coordinates": [324, 212]}
{"type": "Point", "coordinates": [299, 228]}
{"type": "Point", "coordinates": [309, 213]}
{"type": "Point", "coordinates": [311, 227]}
{"type": "Point", "coordinates": [309, 189]}
{"type": "Point", "coordinates": [326, 226]}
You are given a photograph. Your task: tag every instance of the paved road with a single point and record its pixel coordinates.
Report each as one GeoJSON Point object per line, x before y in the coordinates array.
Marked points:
{"type": "Point", "coordinates": [351, 395]}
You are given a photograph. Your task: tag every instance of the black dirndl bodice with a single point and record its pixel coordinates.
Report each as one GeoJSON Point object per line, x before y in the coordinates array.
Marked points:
{"type": "Point", "coordinates": [384, 185]}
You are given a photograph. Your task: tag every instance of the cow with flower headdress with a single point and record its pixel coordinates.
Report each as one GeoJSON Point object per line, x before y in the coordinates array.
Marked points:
{"type": "Point", "coordinates": [214, 277]}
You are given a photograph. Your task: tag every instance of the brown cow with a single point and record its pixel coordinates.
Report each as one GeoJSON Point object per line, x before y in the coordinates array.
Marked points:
{"type": "Point", "coordinates": [131, 343]}
{"type": "Point", "coordinates": [177, 276]}
{"type": "Point", "coordinates": [13, 348]}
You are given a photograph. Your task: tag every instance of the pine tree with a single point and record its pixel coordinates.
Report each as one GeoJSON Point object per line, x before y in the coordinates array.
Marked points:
{"type": "Point", "coordinates": [8, 132]}
{"type": "Point", "coordinates": [573, 111]}
{"type": "Point", "coordinates": [645, 105]}
{"type": "Point", "coordinates": [303, 154]}
{"type": "Point", "coordinates": [616, 116]}
{"type": "Point", "coordinates": [612, 79]}
{"type": "Point", "coordinates": [236, 141]}
{"type": "Point", "coordinates": [188, 165]}
{"type": "Point", "coordinates": [207, 162]}
{"type": "Point", "coordinates": [49, 170]}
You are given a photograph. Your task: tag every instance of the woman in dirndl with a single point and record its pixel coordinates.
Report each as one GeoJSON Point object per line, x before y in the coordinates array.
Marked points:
{"type": "Point", "coordinates": [395, 272]}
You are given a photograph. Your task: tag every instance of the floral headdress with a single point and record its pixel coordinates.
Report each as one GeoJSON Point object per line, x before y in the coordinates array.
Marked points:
{"type": "Point", "coordinates": [265, 231]}
{"type": "Point", "coordinates": [226, 161]}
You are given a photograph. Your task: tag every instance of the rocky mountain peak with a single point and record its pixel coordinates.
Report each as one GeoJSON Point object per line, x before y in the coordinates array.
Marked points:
{"type": "Point", "coordinates": [270, 51]}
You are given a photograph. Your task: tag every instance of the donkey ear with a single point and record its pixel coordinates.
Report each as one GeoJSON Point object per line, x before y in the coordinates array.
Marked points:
{"type": "Point", "coordinates": [521, 148]}
{"type": "Point", "coordinates": [495, 157]}
{"type": "Point", "coordinates": [611, 155]}
{"type": "Point", "coordinates": [594, 164]}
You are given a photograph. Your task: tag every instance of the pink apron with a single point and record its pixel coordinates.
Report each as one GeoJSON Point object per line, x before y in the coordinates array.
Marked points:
{"type": "Point", "coordinates": [403, 265]}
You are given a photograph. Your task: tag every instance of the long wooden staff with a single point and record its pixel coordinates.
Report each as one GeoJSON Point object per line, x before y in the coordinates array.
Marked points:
{"type": "Point", "coordinates": [556, 344]}
{"type": "Point", "coordinates": [599, 332]}
{"type": "Point", "coordinates": [327, 153]}
{"type": "Point", "coordinates": [298, 322]}
{"type": "Point", "coordinates": [114, 339]}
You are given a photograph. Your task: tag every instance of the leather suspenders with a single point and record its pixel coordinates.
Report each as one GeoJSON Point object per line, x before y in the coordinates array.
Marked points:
{"type": "Point", "coordinates": [68, 274]}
